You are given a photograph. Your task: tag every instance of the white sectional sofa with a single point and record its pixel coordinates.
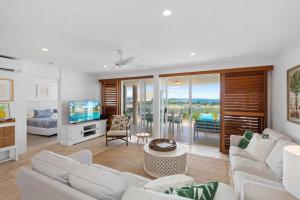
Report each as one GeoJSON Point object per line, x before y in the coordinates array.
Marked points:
{"type": "Point", "coordinates": [257, 180]}
{"type": "Point", "coordinates": [75, 177]}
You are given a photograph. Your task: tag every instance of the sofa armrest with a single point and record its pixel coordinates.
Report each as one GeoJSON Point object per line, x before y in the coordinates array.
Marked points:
{"type": "Point", "coordinates": [235, 140]}
{"type": "Point", "coordinates": [84, 157]}
{"type": "Point", "coordinates": [258, 191]}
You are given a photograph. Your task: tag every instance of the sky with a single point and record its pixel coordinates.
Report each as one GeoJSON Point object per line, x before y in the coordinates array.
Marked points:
{"type": "Point", "coordinates": [205, 91]}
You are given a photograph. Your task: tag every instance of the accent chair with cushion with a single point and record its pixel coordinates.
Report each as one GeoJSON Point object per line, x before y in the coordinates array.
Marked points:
{"type": "Point", "coordinates": [119, 129]}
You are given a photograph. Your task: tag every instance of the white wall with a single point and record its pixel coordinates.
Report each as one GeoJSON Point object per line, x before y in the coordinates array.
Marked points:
{"type": "Point", "coordinates": [287, 59]}
{"type": "Point", "coordinates": [221, 64]}
{"type": "Point", "coordinates": [76, 86]}
{"type": "Point", "coordinates": [34, 102]}
{"type": "Point", "coordinates": [72, 85]}
{"type": "Point", "coordinates": [30, 70]}
{"type": "Point", "coordinates": [32, 89]}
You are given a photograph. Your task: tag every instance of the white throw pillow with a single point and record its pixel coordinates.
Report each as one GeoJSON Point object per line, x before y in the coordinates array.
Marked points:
{"type": "Point", "coordinates": [97, 183]}
{"type": "Point", "coordinates": [134, 193]}
{"type": "Point", "coordinates": [275, 135]}
{"type": "Point", "coordinates": [164, 183]}
{"type": "Point", "coordinates": [54, 165]}
{"type": "Point", "coordinates": [275, 158]}
{"type": "Point", "coordinates": [260, 148]}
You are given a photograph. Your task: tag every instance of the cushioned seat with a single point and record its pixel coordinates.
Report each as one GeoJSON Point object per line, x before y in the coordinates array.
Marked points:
{"type": "Point", "coordinates": [253, 167]}
{"type": "Point", "coordinates": [119, 129]}
{"type": "Point", "coordinates": [116, 133]}
{"type": "Point", "coordinates": [241, 177]}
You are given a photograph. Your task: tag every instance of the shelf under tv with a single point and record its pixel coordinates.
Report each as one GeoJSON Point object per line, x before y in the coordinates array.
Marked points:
{"type": "Point", "coordinates": [76, 133]}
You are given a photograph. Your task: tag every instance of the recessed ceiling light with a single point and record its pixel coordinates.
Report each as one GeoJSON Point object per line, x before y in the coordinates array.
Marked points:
{"type": "Point", "coordinates": [192, 54]}
{"type": "Point", "coordinates": [45, 49]}
{"type": "Point", "coordinates": [167, 13]}
{"type": "Point", "coordinates": [105, 66]}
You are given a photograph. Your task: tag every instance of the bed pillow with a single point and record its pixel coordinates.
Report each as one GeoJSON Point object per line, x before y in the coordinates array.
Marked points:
{"type": "Point", "coordinates": [43, 113]}
{"type": "Point", "coordinates": [259, 147]}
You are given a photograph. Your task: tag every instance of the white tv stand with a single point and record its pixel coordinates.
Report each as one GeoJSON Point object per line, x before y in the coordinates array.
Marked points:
{"type": "Point", "coordinates": [75, 133]}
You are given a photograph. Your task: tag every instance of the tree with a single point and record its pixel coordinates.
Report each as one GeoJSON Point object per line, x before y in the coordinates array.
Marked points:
{"type": "Point", "coordinates": [295, 86]}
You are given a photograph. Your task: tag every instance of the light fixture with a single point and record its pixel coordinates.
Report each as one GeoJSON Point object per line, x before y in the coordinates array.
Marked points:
{"type": "Point", "coordinates": [192, 53]}
{"type": "Point", "coordinates": [167, 13]}
{"type": "Point", "coordinates": [105, 66]}
{"type": "Point", "coordinates": [177, 82]}
{"type": "Point", "coordinates": [45, 49]}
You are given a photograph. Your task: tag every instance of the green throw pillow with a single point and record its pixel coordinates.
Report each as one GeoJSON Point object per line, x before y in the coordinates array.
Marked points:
{"type": "Point", "coordinates": [248, 134]}
{"type": "Point", "coordinates": [205, 191]}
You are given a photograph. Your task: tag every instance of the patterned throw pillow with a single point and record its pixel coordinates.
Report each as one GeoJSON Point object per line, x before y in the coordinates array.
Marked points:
{"type": "Point", "coordinates": [265, 136]}
{"type": "Point", "coordinates": [248, 134]}
{"type": "Point", "coordinates": [119, 122]}
{"type": "Point", "coordinates": [205, 191]}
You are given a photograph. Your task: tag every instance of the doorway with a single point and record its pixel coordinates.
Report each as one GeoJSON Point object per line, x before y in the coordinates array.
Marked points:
{"type": "Point", "coordinates": [190, 109]}
{"type": "Point", "coordinates": [137, 102]}
{"type": "Point", "coordinates": [42, 112]}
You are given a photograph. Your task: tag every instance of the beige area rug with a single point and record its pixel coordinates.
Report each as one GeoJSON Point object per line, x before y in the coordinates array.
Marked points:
{"type": "Point", "coordinates": [131, 159]}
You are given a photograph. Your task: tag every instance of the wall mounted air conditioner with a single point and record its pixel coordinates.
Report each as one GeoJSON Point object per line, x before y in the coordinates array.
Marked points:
{"type": "Point", "coordinates": [10, 64]}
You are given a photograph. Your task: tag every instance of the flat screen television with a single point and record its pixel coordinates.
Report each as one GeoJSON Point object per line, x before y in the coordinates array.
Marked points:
{"type": "Point", "coordinates": [82, 111]}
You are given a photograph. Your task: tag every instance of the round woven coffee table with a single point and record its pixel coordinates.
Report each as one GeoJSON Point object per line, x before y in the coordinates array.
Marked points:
{"type": "Point", "coordinates": [158, 164]}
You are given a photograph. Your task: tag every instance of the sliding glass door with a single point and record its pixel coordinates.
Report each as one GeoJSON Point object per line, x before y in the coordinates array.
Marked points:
{"type": "Point", "coordinates": [205, 109]}
{"type": "Point", "coordinates": [137, 102]}
{"type": "Point", "coordinates": [190, 109]}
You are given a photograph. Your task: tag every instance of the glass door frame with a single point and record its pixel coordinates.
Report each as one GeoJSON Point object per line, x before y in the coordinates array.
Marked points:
{"type": "Point", "coordinates": [141, 98]}
{"type": "Point", "coordinates": [163, 121]}
{"type": "Point", "coordinates": [164, 126]}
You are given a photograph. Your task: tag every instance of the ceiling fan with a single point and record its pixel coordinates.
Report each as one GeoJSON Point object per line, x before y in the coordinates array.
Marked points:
{"type": "Point", "coordinates": [124, 62]}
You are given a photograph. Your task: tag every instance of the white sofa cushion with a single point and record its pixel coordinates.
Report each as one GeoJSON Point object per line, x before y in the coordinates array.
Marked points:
{"type": "Point", "coordinates": [275, 135]}
{"type": "Point", "coordinates": [224, 192]}
{"type": "Point", "coordinates": [253, 167]}
{"type": "Point", "coordinates": [240, 177]}
{"type": "Point", "coordinates": [164, 183]}
{"type": "Point", "coordinates": [54, 165]}
{"type": "Point", "coordinates": [107, 169]}
{"type": "Point", "coordinates": [260, 148]}
{"type": "Point", "coordinates": [275, 158]}
{"type": "Point", "coordinates": [131, 179]}
{"type": "Point", "coordinates": [237, 151]}
{"type": "Point", "coordinates": [97, 183]}
{"type": "Point", "coordinates": [134, 193]}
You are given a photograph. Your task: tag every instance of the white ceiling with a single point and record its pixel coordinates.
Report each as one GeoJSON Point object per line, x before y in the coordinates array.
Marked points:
{"type": "Point", "coordinates": [83, 34]}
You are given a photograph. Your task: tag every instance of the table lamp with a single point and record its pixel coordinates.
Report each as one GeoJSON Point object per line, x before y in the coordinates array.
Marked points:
{"type": "Point", "coordinates": [291, 169]}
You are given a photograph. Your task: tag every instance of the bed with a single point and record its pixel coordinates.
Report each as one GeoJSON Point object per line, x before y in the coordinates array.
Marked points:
{"type": "Point", "coordinates": [42, 124]}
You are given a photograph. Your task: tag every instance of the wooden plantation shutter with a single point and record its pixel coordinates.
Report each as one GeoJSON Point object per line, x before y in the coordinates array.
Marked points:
{"type": "Point", "coordinates": [111, 97]}
{"type": "Point", "coordinates": [243, 104]}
